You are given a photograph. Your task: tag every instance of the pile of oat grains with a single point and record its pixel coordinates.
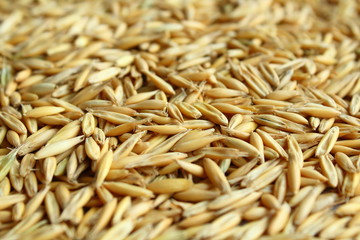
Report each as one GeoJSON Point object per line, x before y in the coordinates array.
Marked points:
{"type": "Point", "coordinates": [179, 119]}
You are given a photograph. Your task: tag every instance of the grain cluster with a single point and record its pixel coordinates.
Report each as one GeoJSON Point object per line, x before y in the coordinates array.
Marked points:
{"type": "Point", "coordinates": [171, 119]}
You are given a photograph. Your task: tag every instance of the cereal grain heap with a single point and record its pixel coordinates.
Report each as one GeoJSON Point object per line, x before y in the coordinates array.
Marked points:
{"type": "Point", "coordinates": [179, 119]}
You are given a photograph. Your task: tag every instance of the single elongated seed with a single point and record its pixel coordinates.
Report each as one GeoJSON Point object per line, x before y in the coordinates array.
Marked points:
{"type": "Point", "coordinates": [255, 213]}
{"type": "Point", "coordinates": [36, 141]}
{"type": "Point", "coordinates": [295, 117]}
{"type": "Point", "coordinates": [241, 145]}
{"type": "Point", "coordinates": [348, 209]}
{"type": "Point", "coordinates": [194, 169]}
{"type": "Point", "coordinates": [113, 117]}
{"type": "Point", "coordinates": [170, 185]}
{"type": "Point", "coordinates": [243, 170]}
{"type": "Point", "coordinates": [78, 200]}
{"type": "Point", "coordinates": [230, 108]}
{"type": "Point", "coordinates": [125, 60]}
{"type": "Point", "coordinates": [36, 201]}
{"type": "Point", "coordinates": [220, 224]}
{"type": "Point", "coordinates": [180, 81]}
{"type": "Point", "coordinates": [304, 208]}
{"type": "Point", "coordinates": [104, 75]}
{"type": "Point", "coordinates": [188, 110]}
{"type": "Point", "coordinates": [31, 184]}
{"type": "Point", "coordinates": [232, 83]}
{"type": "Point", "coordinates": [279, 123]}
{"type": "Point", "coordinates": [9, 200]}
{"type": "Point", "coordinates": [120, 230]}
{"type": "Point", "coordinates": [174, 166]}
{"type": "Point", "coordinates": [18, 211]}
{"type": "Point", "coordinates": [228, 199]}
{"type": "Point", "coordinates": [88, 93]}
{"type": "Point", "coordinates": [196, 195]}
{"type": "Point", "coordinates": [175, 112]}
{"type": "Point", "coordinates": [197, 124]}
{"type": "Point", "coordinates": [153, 160]}
{"type": "Point", "coordinates": [270, 201]}
{"type": "Point", "coordinates": [256, 141]}
{"type": "Point", "coordinates": [66, 105]}
{"type": "Point", "coordinates": [195, 144]}
{"type": "Point", "coordinates": [52, 207]}
{"type": "Point", "coordinates": [6, 163]}
{"type": "Point", "coordinates": [298, 197]}
{"type": "Point", "coordinates": [44, 111]}
{"type": "Point", "coordinates": [140, 97]}
{"type": "Point", "coordinates": [324, 201]}
{"type": "Point", "coordinates": [280, 219]}
{"type": "Point", "coordinates": [128, 190]}
{"type": "Point", "coordinates": [307, 172]}
{"type": "Point", "coordinates": [168, 144]}
{"type": "Point", "coordinates": [49, 231]}
{"type": "Point", "coordinates": [196, 220]}
{"type": "Point", "coordinates": [148, 104]}
{"type": "Point", "coordinates": [105, 216]}
{"type": "Point", "coordinates": [80, 81]}
{"type": "Point", "coordinates": [123, 205]}
{"type": "Point", "coordinates": [316, 110]}
{"type": "Point", "coordinates": [121, 129]}
{"type": "Point", "coordinates": [345, 162]}
{"type": "Point", "coordinates": [211, 113]}
{"type": "Point", "coordinates": [163, 129]}
{"type": "Point", "coordinates": [70, 130]}
{"type": "Point", "coordinates": [223, 93]}
{"type": "Point", "coordinates": [271, 142]}
{"type": "Point", "coordinates": [327, 142]}
{"type": "Point", "coordinates": [293, 175]}
{"type": "Point", "coordinates": [258, 171]}
{"type": "Point", "coordinates": [13, 123]}
{"type": "Point", "coordinates": [58, 147]}
{"type": "Point", "coordinates": [294, 151]}
{"type": "Point", "coordinates": [49, 167]}
{"type": "Point", "coordinates": [218, 153]}
{"type": "Point", "coordinates": [216, 176]}
{"type": "Point", "coordinates": [88, 124]}
{"type": "Point", "coordinates": [139, 209]}
{"type": "Point", "coordinates": [103, 168]}
{"type": "Point", "coordinates": [267, 177]}
{"type": "Point", "coordinates": [92, 149]}
{"type": "Point", "coordinates": [159, 82]}
{"type": "Point", "coordinates": [335, 228]}
{"type": "Point", "coordinates": [3, 131]}
{"type": "Point", "coordinates": [126, 147]}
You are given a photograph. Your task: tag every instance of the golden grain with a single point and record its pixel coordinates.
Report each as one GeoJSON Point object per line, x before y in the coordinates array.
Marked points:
{"type": "Point", "coordinates": [36, 201]}
{"type": "Point", "coordinates": [280, 219]}
{"type": "Point", "coordinates": [241, 145]}
{"type": "Point", "coordinates": [103, 168]}
{"type": "Point", "coordinates": [52, 207]}
{"type": "Point", "coordinates": [304, 208]}
{"type": "Point", "coordinates": [9, 200]}
{"type": "Point", "coordinates": [127, 189]}
{"type": "Point", "coordinates": [13, 123]}
{"type": "Point", "coordinates": [103, 75]}
{"type": "Point", "coordinates": [76, 202]}
{"type": "Point", "coordinates": [58, 147]}
{"type": "Point", "coordinates": [329, 170]}
{"type": "Point", "coordinates": [216, 176]}
{"type": "Point", "coordinates": [169, 185]}
{"type": "Point", "coordinates": [211, 113]}
{"type": "Point", "coordinates": [44, 111]}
